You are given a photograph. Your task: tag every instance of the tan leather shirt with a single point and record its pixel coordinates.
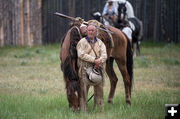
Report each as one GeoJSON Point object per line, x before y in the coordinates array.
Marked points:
{"type": "Point", "coordinates": [86, 53]}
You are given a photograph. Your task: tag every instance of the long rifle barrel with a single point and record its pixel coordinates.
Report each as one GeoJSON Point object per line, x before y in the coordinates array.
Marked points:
{"type": "Point", "coordinates": [64, 16]}
{"type": "Point", "coordinates": [73, 19]}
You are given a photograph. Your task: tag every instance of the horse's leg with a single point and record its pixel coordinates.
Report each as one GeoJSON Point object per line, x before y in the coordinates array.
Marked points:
{"type": "Point", "coordinates": [122, 66]}
{"type": "Point", "coordinates": [138, 47]}
{"type": "Point", "coordinates": [112, 77]}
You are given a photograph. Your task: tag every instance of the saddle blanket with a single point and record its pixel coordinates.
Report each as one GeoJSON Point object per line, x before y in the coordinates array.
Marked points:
{"type": "Point", "coordinates": [128, 32]}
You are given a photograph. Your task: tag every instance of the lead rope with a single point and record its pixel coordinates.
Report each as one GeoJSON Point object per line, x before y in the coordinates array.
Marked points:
{"type": "Point", "coordinates": [96, 57]}
{"type": "Point", "coordinates": [91, 97]}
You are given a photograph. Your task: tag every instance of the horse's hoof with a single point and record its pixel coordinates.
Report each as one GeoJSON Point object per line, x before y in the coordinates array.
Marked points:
{"type": "Point", "coordinates": [110, 101]}
{"type": "Point", "coordinates": [128, 102]}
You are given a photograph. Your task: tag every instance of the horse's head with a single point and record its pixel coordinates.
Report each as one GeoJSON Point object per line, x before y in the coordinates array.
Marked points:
{"type": "Point", "coordinates": [122, 11]}
{"type": "Point", "coordinates": [73, 93]}
{"type": "Point", "coordinates": [76, 22]}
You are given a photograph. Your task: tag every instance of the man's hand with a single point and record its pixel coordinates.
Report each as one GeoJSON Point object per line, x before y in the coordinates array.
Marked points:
{"type": "Point", "coordinates": [98, 62]}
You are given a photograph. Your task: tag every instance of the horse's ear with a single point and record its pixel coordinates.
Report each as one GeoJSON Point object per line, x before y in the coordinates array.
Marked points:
{"type": "Point", "coordinates": [125, 5]}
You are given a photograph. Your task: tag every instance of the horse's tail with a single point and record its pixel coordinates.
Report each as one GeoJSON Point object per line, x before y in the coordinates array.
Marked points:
{"type": "Point", "coordinates": [140, 37]}
{"type": "Point", "coordinates": [129, 63]}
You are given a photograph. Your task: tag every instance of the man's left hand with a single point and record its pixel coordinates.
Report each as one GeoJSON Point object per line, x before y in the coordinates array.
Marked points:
{"type": "Point", "coordinates": [98, 62]}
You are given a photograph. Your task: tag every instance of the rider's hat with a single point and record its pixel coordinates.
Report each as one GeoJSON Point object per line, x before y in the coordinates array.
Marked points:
{"type": "Point", "coordinates": [110, 1]}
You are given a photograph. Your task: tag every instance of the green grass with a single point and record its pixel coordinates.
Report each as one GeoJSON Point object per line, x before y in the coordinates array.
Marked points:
{"type": "Point", "coordinates": [32, 86]}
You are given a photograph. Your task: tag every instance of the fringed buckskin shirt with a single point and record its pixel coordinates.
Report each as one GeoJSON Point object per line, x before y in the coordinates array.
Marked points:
{"type": "Point", "coordinates": [86, 53]}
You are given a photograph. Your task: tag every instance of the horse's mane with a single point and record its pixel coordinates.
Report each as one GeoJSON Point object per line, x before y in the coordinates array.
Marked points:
{"type": "Point", "coordinates": [68, 68]}
{"type": "Point", "coordinates": [62, 39]}
{"type": "Point", "coordinates": [73, 24]}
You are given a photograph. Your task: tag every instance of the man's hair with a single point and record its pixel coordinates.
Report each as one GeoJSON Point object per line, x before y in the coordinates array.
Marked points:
{"type": "Point", "coordinates": [92, 24]}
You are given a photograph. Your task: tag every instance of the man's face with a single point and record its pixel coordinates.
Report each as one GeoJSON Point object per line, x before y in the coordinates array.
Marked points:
{"type": "Point", "coordinates": [91, 31]}
{"type": "Point", "coordinates": [110, 3]}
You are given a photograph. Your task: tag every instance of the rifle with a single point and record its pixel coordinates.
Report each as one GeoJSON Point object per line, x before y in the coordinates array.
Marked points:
{"type": "Point", "coordinates": [64, 16]}
{"type": "Point", "coordinates": [74, 19]}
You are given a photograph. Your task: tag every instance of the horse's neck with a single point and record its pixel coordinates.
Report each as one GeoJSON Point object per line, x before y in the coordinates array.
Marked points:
{"type": "Point", "coordinates": [126, 17]}
{"type": "Point", "coordinates": [130, 11]}
{"type": "Point", "coordinates": [78, 31]}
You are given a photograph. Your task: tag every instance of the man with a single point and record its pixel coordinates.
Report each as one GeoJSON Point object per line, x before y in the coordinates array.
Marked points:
{"type": "Point", "coordinates": [110, 11]}
{"type": "Point", "coordinates": [87, 58]}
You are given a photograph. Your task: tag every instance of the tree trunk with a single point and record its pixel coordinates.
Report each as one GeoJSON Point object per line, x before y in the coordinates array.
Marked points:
{"type": "Point", "coordinates": [20, 22]}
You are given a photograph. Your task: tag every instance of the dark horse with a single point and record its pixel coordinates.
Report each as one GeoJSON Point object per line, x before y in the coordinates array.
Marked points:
{"type": "Point", "coordinates": [133, 22]}
{"type": "Point", "coordinates": [121, 53]}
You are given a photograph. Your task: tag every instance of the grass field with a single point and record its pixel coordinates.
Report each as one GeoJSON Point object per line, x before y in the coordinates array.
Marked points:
{"type": "Point", "coordinates": [32, 86]}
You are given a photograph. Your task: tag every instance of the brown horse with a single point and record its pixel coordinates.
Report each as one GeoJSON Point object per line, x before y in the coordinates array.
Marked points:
{"type": "Point", "coordinates": [121, 53]}
{"type": "Point", "coordinates": [68, 57]}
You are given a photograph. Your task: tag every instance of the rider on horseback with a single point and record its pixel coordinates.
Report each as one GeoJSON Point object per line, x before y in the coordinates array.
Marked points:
{"type": "Point", "coordinates": [110, 12]}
